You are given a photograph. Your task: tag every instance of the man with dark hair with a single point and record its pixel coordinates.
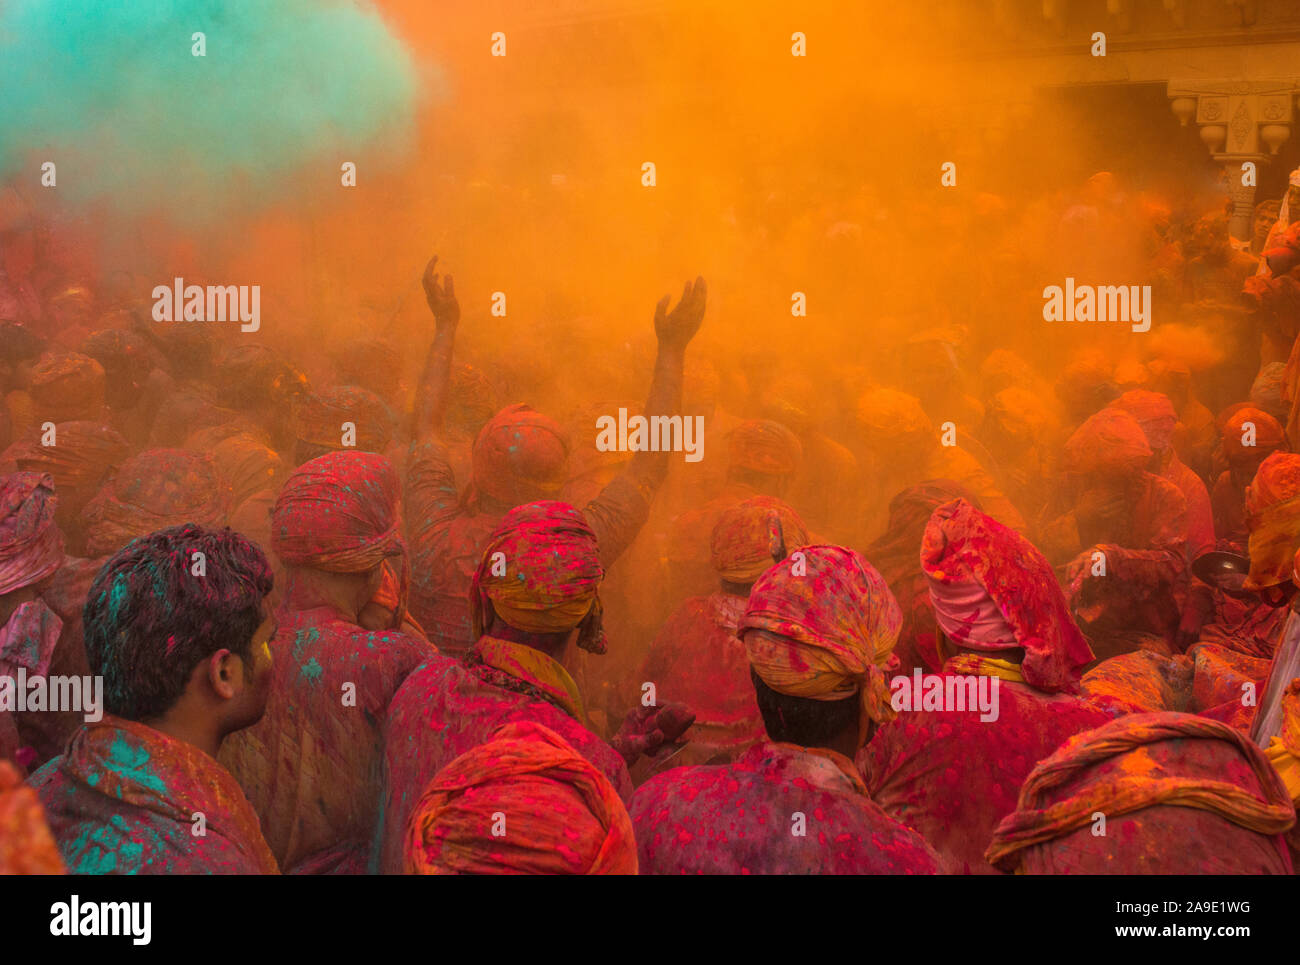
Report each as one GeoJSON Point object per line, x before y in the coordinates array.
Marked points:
{"type": "Point", "coordinates": [819, 630]}
{"type": "Point", "coordinates": [177, 626]}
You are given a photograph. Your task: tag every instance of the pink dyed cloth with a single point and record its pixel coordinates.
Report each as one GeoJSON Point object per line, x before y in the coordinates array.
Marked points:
{"type": "Point", "coordinates": [953, 777]}
{"type": "Point", "coordinates": [445, 709]}
{"type": "Point", "coordinates": [739, 819]}
{"type": "Point", "coordinates": [698, 660]}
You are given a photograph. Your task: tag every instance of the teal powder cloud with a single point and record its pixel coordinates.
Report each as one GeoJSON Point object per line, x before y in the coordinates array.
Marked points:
{"type": "Point", "coordinates": [111, 92]}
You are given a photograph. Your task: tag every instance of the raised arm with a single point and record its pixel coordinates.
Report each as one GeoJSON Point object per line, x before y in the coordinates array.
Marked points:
{"type": "Point", "coordinates": [674, 331]}
{"type": "Point", "coordinates": [431, 393]}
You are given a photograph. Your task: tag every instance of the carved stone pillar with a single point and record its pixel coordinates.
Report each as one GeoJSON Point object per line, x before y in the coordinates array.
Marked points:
{"type": "Point", "coordinates": [1239, 121]}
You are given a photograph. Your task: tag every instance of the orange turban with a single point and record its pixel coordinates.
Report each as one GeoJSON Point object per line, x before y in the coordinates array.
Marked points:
{"type": "Point", "coordinates": [153, 490]}
{"type": "Point", "coordinates": [31, 546]}
{"type": "Point", "coordinates": [1154, 413]}
{"type": "Point", "coordinates": [67, 386]}
{"type": "Point", "coordinates": [1268, 436]}
{"type": "Point", "coordinates": [1111, 441]}
{"type": "Point", "coordinates": [1273, 515]}
{"type": "Point", "coordinates": [992, 589]}
{"type": "Point", "coordinates": [26, 845]}
{"type": "Point", "coordinates": [892, 413]}
{"type": "Point", "coordinates": [319, 418]}
{"type": "Point", "coordinates": [520, 455]}
{"type": "Point", "coordinates": [836, 624]}
{"type": "Point", "coordinates": [750, 536]}
{"type": "Point", "coordinates": [764, 446]}
{"type": "Point", "coordinates": [541, 573]}
{"type": "Point", "coordinates": [523, 803]}
{"type": "Point", "coordinates": [1115, 770]}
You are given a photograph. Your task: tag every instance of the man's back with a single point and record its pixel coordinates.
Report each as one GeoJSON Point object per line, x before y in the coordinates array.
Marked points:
{"type": "Point", "coordinates": [311, 766]}
{"type": "Point", "coordinates": [953, 776]}
{"type": "Point", "coordinates": [779, 809]}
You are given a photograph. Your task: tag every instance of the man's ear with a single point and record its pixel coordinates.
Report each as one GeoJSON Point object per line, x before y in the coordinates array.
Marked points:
{"type": "Point", "coordinates": [226, 674]}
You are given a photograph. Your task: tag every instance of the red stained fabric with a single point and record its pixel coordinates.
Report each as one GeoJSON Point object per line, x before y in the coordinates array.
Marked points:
{"type": "Point", "coordinates": [31, 546]}
{"type": "Point", "coordinates": [318, 420]}
{"type": "Point", "coordinates": [741, 818]}
{"type": "Point", "coordinates": [122, 800]}
{"type": "Point", "coordinates": [445, 709]}
{"type": "Point", "coordinates": [1180, 795]}
{"type": "Point", "coordinates": [953, 777]}
{"type": "Point", "coordinates": [698, 659]}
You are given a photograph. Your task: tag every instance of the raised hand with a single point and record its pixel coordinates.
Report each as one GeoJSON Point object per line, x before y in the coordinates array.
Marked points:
{"type": "Point", "coordinates": [675, 329]}
{"type": "Point", "coordinates": [441, 297]}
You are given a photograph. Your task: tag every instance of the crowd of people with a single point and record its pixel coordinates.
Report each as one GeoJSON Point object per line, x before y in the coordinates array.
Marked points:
{"type": "Point", "coordinates": [966, 614]}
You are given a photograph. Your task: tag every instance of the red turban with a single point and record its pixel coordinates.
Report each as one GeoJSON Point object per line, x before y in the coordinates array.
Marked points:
{"type": "Point", "coordinates": [764, 446]}
{"type": "Point", "coordinates": [154, 490]}
{"type": "Point", "coordinates": [519, 456]}
{"type": "Point", "coordinates": [541, 572]}
{"type": "Point", "coordinates": [836, 624]}
{"type": "Point", "coordinates": [523, 803]}
{"type": "Point", "coordinates": [338, 513]}
{"type": "Point", "coordinates": [750, 536]}
{"type": "Point", "coordinates": [993, 590]}
{"type": "Point", "coordinates": [1109, 442]}
{"type": "Point", "coordinates": [1154, 413]}
{"type": "Point", "coordinates": [31, 546]}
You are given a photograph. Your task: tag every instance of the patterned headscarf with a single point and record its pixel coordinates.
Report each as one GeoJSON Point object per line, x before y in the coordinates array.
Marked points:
{"type": "Point", "coordinates": [993, 590]}
{"type": "Point", "coordinates": [835, 623]}
{"type": "Point", "coordinates": [541, 573]}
